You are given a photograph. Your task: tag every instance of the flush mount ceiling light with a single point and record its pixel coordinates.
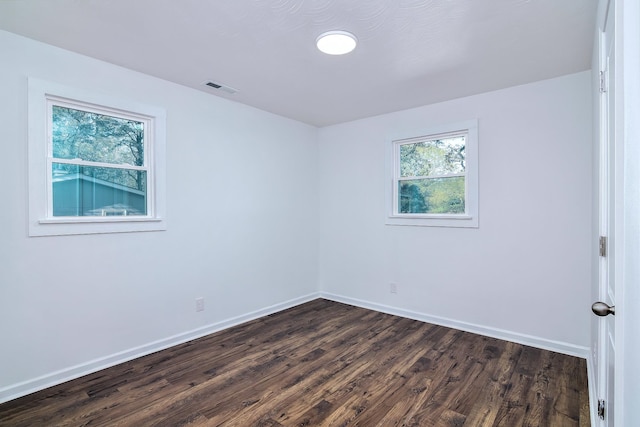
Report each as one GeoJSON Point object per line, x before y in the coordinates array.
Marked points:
{"type": "Point", "coordinates": [336, 42]}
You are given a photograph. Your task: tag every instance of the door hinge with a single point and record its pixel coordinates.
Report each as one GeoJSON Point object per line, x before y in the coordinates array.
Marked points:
{"type": "Point", "coordinates": [601, 409]}
{"type": "Point", "coordinates": [603, 82]}
{"type": "Point", "coordinates": [603, 246]}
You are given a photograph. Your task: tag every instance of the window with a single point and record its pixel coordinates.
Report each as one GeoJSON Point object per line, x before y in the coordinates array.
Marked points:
{"type": "Point", "coordinates": [97, 160]}
{"type": "Point", "coordinates": [434, 178]}
{"type": "Point", "coordinates": [96, 164]}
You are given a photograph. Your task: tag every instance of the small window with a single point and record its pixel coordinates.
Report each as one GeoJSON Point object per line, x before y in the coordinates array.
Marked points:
{"type": "Point", "coordinates": [96, 164]}
{"type": "Point", "coordinates": [434, 178]}
{"type": "Point", "coordinates": [98, 161]}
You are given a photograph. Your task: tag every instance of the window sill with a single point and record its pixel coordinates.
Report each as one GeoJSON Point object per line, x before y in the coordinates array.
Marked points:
{"type": "Point", "coordinates": [97, 219]}
{"type": "Point", "coordinates": [454, 221]}
{"type": "Point", "coordinates": [71, 226]}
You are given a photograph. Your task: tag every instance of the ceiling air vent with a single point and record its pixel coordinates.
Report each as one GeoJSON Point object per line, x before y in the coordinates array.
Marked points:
{"type": "Point", "coordinates": [219, 86]}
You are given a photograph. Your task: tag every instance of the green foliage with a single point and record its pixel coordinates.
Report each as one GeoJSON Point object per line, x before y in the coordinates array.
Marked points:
{"type": "Point", "coordinates": [412, 199]}
{"type": "Point", "coordinates": [434, 157]}
{"type": "Point", "coordinates": [434, 165]}
{"type": "Point", "coordinates": [100, 138]}
{"type": "Point", "coordinates": [432, 195]}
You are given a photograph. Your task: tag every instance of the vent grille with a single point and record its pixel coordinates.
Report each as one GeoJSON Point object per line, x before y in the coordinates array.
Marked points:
{"type": "Point", "coordinates": [220, 86]}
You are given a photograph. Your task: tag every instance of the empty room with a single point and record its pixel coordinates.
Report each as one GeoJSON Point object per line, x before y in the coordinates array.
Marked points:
{"type": "Point", "coordinates": [320, 212]}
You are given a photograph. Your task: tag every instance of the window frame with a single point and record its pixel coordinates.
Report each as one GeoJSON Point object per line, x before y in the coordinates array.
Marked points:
{"type": "Point", "coordinates": [468, 219]}
{"type": "Point", "coordinates": [42, 96]}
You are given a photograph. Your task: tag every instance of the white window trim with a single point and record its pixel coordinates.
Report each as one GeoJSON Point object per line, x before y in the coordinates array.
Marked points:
{"type": "Point", "coordinates": [41, 221]}
{"type": "Point", "coordinates": [467, 220]}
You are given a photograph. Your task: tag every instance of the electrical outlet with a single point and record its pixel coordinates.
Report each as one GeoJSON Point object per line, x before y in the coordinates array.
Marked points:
{"type": "Point", "coordinates": [200, 304]}
{"type": "Point", "coordinates": [393, 288]}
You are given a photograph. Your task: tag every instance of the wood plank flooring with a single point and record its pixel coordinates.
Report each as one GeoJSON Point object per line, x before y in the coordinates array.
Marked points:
{"type": "Point", "coordinates": [324, 364]}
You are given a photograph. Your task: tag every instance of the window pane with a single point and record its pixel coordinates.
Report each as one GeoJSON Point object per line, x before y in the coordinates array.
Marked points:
{"type": "Point", "coordinates": [91, 191]}
{"type": "Point", "coordinates": [434, 157]}
{"type": "Point", "coordinates": [432, 196]}
{"type": "Point", "coordinates": [97, 137]}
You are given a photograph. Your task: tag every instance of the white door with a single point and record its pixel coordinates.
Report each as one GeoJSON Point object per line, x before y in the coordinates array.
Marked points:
{"type": "Point", "coordinates": [606, 306]}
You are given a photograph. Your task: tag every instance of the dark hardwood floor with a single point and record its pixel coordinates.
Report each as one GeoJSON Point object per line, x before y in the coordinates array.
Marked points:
{"type": "Point", "coordinates": [329, 364]}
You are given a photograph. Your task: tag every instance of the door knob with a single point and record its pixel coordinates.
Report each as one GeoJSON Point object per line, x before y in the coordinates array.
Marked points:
{"type": "Point", "coordinates": [601, 309]}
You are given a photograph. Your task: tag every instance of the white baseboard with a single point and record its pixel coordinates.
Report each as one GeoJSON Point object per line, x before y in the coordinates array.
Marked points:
{"type": "Point", "coordinates": [533, 341]}
{"type": "Point", "coordinates": [30, 386]}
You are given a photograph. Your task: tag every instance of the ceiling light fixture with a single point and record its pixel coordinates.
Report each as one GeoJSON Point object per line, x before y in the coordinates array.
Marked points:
{"type": "Point", "coordinates": [336, 42]}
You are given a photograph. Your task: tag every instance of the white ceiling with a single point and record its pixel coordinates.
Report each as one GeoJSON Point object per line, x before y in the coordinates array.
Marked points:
{"type": "Point", "coordinates": [410, 52]}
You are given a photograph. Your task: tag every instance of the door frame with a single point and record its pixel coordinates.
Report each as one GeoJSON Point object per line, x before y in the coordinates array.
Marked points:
{"type": "Point", "coordinates": [606, 211]}
{"type": "Point", "coordinates": [627, 378]}
{"type": "Point", "coordinates": [626, 212]}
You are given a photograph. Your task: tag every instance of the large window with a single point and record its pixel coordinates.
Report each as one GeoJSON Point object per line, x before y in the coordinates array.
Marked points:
{"type": "Point", "coordinates": [97, 166]}
{"type": "Point", "coordinates": [434, 178]}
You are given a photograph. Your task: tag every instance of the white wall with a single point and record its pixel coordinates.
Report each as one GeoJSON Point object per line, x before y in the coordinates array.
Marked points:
{"type": "Point", "coordinates": [525, 273]}
{"type": "Point", "coordinates": [242, 203]}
